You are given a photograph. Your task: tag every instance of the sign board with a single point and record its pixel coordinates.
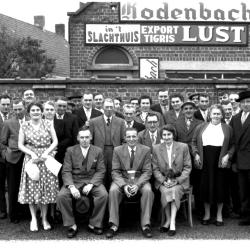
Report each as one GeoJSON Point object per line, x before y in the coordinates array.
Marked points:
{"type": "Point", "coordinates": [187, 11]}
{"type": "Point", "coordinates": [149, 68]}
{"type": "Point", "coordinates": [167, 34]}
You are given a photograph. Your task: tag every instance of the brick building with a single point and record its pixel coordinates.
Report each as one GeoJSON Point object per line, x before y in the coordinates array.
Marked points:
{"type": "Point", "coordinates": [114, 66]}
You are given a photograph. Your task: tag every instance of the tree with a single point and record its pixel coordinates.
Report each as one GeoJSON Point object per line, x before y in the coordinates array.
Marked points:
{"type": "Point", "coordinates": [23, 57]}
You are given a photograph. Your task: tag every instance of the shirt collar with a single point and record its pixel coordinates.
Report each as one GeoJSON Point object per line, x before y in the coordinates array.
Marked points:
{"type": "Point", "coordinates": [170, 147]}
{"type": "Point", "coordinates": [105, 118]}
{"type": "Point", "coordinates": [87, 110]}
{"type": "Point", "coordinates": [129, 149]}
{"type": "Point", "coordinates": [57, 116]}
{"type": "Point", "coordinates": [154, 133]}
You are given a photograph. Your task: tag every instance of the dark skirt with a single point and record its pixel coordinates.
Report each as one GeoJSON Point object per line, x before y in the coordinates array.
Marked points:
{"type": "Point", "coordinates": [214, 186]}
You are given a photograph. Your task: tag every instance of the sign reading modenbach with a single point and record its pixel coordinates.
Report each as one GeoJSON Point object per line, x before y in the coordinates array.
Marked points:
{"type": "Point", "coordinates": [190, 11]}
{"type": "Point", "coordinates": [175, 34]}
{"type": "Point", "coordinates": [149, 68]}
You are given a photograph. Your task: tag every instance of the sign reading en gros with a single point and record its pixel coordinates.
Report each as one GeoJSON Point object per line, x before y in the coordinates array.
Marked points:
{"type": "Point", "coordinates": [192, 11]}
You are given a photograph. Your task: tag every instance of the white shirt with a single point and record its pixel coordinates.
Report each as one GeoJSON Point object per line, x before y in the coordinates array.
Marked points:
{"type": "Point", "coordinates": [245, 115]}
{"type": "Point", "coordinates": [169, 151]}
{"type": "Point", "coordinates": [177, 113]}
{"type": "Point", "coordinates": [204, 114]}
{"type": "Point", "coordinates": [131, 124]}
{"type": "Point", "coordinates": [213, 135]}
{"type": "Point", "coordinates": [84, 151]}
{"type": "Point", "coordinates": [105, 118]}
{"type": "Point", "coordinates": [130, 149]}
{"type": "Point", "coordinates": [59, 116]}
{"type": "Point", "coordinates": [3, 116]}
{"type": "Point", "coordinates": [154, 134]}
{"type": "Point", "coordinates": [144, 115]}
{"type": "Point", "coordinates": [87, 112]}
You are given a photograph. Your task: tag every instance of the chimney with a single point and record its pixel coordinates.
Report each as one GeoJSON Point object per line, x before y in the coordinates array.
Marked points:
{"type": "Point", "coordinates": [39, 21]}
{"type": "Point", "coordinates": [60, 29]}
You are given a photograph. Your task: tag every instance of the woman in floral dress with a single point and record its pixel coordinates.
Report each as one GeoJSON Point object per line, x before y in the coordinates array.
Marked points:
{"type": "Point", "coordinates": [37, 139]}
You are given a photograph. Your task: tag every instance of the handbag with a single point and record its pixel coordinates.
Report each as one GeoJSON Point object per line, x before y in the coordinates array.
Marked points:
{"type": "Point", "coordinates": [32, 170]}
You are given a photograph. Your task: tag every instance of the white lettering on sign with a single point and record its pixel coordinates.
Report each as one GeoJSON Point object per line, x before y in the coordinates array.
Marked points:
{"type": "Point", "coordinates": [186, 11]}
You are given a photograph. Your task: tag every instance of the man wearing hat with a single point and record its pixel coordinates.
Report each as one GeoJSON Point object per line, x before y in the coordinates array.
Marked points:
{"type": "Point", "coordinates": [194, 97]}
{"type": "Point", "coordinates": [241, 128]}
{"type": "Point", "coordinates": [185, 128]}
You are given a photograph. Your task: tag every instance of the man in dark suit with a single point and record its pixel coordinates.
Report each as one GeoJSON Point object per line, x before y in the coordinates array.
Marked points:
{"type": "Point", "coordinates": [86, 112]}
{"type": "Point", "coordinates": [136, 157]}
{"type": "Point", "coordinates": [185, 128]}
{"type": "Point", "coordinates": [83, 173]}
{"type": "Point", "coordinates": [241, 129]}
{"type": "Point", "coordinates": [98, 102]}
{"type": "Point", "coordinates": [173, 115]}
{"type": "Point", "coordinates": [129, 115]}
{"type": "Point", "coordinates": [163, 106]}
{"type": "Point", "coordinates": [13, 157]}
{"type": "Point", "coordinates": [4, 115]}
{"type": "Point", "coordinates": [107, 132]}
{"type": "Point", "coordinates": [145, 102]}
{"type": "Point", "coordinates": [151, 135]}
{"type": "Point", "coordinates": [202, 112]}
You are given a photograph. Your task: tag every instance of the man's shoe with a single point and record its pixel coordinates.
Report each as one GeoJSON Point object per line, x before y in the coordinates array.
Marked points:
{"type": "Point", "coordinates": [205, 222]}
{"type": "Point", "coordinates": [164, 229]}
{"type": "Point", "coordinates": [171, 232]}
{"type": "Point", "coordinates": [244, 222]}
{"type": "Point", "coordinates": [110, 233]}
{"type": "Point", "coordinates": [71, 232]}
{"type": "Point", "coordinates": [147, 232]}
{"type": "Point", "coordinates": [95, 230]}
{"type": "Point", "coordinates": [3, 215]}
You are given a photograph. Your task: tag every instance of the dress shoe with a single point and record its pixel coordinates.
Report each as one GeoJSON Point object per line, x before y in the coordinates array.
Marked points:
{"type": "Point", "coordinates": [95, 230]}
{"type": "Point", "coordinates": [164, 229]}
{"type": "Point", "coordinates": [72, 232]}
{"type": "Point", "coordinates": [147, 232]}
{"type": "Point", "coordinates": [244, 222]}
{"type": "Point", "coordinates": [33, 226]}
{"type": "Point", "coordinates": [205, 222]}
{"type": "Point", "coordinates": [110, 233]}
{"type": "Point", "coordinates": [171, 232]}
{"type": "Point", "coordinates": [3, 215]}
{"type": "Point", "coordinates": [219, 223]}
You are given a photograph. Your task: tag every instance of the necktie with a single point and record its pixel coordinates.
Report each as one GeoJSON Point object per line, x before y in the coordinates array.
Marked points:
{"type": "Point", "coordinates": [60, 117]}
{"type": "Point", "coordinates": [188, 124]}
{"type": "Point", "coordinates": [132, 157]}
{"type": "Point", "coordinates": [129, 123]}
{"type": "Point", "coordinates": [108, 121]}
{"type": "Point", "coordinates": [243, 117]}
{"type": "Point", "coordinates": [5, 117]}
{"type": "Point", "coordinates": [153, 139]}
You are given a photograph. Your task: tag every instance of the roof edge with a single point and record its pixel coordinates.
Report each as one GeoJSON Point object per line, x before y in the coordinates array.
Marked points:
{"type": "Point", "coordinates": [82, 8]}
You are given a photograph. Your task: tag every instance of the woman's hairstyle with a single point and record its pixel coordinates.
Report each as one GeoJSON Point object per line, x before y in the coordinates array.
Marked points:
{"type": "Point", "coordinates": [51, 103]}
{"type": "Point", "coordinates": [38, 104]}
{"type": "Point", "coordinates": [170, 128]}
{"type": "Point", "coordinates": [216, 106]}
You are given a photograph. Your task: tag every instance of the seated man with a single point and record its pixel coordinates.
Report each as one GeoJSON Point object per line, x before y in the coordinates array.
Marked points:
{"type": "Point", "coordinates": [83, 172]}
{"type": "Point", "coordinates": [131, 156]}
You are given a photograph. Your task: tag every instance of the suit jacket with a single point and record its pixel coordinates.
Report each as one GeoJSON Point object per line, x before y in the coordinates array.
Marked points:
{"type": "Point", "coordinates": [141, 164]}
{"type": "Point", "coordinates": [144, 138]}
{"type": "Point", "coordinates": [82, 118]}
{"type": "Point", "coordinates": [171, 118]}
{"type": "Point", "coordinates": [241, 139]}
{"type": "Point", "coordinates": [157, 108]}
{"type": "Point", "coordinates": [138, 126]}
{"type": "Point", "coordinates": [64, 137]}
{"type": "Point", "coordinates": [97, 128]}
{"type": "Point", "coordinates": [198, 115]}
{"type": "Point", "coordinates": [9, 141]}
{"type": "Point", "coordinates": [180, 162]}
{"type": "Point", "coordinates": [73, 173]}
{"type": "Point", "coordinates": [183, 134]}
{"type": "Point", "coordinates": [227, 146]}
{"type": "Point", "coordinates": [71, 127]}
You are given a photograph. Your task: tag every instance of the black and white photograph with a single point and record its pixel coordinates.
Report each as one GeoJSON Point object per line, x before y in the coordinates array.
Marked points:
{"type": "Point", "coordinates": [124, 124]}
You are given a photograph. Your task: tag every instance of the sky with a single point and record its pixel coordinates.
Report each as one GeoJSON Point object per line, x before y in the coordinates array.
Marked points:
{"type": "Point", "coordinates": [55, 11]}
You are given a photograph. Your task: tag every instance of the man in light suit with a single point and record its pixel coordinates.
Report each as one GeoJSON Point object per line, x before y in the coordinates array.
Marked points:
{"type": "Point", "coordinates": [151, 135]}
{"type": "Point", "coordinates": [13, 157]}
{"type": "Point", "coordinates": [131, 156]}
{"type": "Point", "coordinates": [175, 114]}
{"type": "Point", "coordinates": [241, 131]}
{"type": "Point", "coordinates": [86, 112]}
{"type": "Point", "coordinates": [83, 173]}
{"type": "Point", "coordinates": [107, 132]}
{"type": "Point", "coordinates": [5, 102]}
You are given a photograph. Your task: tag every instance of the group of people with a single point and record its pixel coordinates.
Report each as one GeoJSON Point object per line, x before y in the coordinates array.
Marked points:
{"type": "Point", "coordinates": [110, 152]}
